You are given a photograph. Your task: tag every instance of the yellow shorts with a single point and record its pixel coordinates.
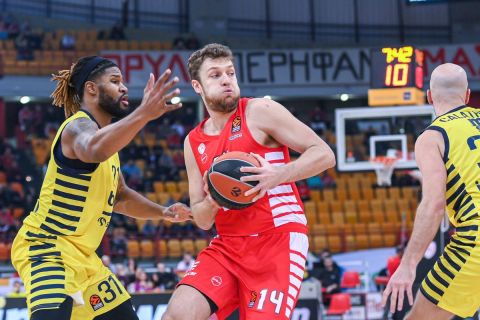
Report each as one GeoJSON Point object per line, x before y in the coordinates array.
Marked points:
{"type": "Point", "coordinates": [52, 268]}
{"type": "Point", "coordinates": [453, 282]}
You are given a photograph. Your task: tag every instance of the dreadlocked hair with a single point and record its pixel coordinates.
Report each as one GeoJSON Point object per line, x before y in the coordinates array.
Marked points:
{"type": "Point", "coordinates": [66, 95]}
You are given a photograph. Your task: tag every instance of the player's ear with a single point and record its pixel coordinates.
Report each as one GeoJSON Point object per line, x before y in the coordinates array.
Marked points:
{"type": "Point", "coordinates": [91, 87]}
{"type": "Point", "coordinates": [467, 96]}
{"type": "Point", "coordinates": [197, 86]}
{"type": "Point", "coordinates": [429, 97]}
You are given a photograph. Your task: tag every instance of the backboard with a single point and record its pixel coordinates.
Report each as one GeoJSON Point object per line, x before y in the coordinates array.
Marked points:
{"type": "Point", "coordinates": [366, 133]}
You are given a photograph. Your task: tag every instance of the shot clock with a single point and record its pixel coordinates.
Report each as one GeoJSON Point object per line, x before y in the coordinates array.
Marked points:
{"type": "Point", "coordinates": [396, 76]}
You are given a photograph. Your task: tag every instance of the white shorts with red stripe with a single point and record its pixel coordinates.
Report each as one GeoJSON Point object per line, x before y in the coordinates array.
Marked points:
{"type": "Point", "coordinates": [261, 274]}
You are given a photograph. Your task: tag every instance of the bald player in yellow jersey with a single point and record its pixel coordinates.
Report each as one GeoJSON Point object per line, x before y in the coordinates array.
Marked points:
{"type": "Point", "coordinates": [54, 251]}
{"type": "Point", "coordinates": [448, 155]}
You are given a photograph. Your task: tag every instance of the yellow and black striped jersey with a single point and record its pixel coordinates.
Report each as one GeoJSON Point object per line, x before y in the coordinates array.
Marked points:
{"type": "Point", "coordinates": [461, 129]}
{"type": "Point", "coordinates": [75, 203]}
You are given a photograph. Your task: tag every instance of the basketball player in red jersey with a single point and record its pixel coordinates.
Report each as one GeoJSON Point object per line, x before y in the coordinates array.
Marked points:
{"type": "Point", "coordinates": [257, 261]}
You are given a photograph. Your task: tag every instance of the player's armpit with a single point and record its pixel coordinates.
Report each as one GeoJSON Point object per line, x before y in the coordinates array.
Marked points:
{"type": "Point", "coordinates": [121, 189]}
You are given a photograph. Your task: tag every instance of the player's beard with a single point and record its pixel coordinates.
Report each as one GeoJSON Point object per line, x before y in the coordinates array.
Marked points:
{"type": "Point", "coordinates": [112, 106]}
{"type": "Point", "coordinates": [222, 104]}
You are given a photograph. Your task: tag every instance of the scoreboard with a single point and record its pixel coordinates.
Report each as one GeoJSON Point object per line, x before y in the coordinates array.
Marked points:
{"type": "Point", "coordinates": [396, 76]}
{"type": "Point", "coordinates": [397, 67]}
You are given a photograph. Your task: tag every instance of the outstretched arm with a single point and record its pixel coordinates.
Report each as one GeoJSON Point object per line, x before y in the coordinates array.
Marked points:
{"type": "Point", "coordinates": [82, 139]}
{"type": "Point", "coordinates": [130, 203]}
{"type": "Point", "coordinates": [280, 125]}
{"type": "Point", "coordinates": [430, 212]}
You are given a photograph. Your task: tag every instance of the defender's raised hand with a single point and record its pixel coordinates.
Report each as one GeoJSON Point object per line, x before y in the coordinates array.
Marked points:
{"type": "Point", "coordinates": [157, 94]}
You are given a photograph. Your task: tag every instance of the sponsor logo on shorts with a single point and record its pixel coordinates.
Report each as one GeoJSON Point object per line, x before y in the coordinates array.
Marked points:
{"type": "Point", "coordinates": [253, 299]}
{"type": "Point", "coordinates": [96, 302]}
{"type": "Point", "coordinates": [216, 281]}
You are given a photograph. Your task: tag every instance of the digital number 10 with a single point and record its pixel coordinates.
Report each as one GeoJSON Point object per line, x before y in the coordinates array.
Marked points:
{"type": "Point", "coordinates": [396, 75]}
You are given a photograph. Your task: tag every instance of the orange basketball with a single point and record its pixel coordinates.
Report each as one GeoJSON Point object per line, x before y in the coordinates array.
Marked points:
{"type": "Point", "coordinates": [224, 180]}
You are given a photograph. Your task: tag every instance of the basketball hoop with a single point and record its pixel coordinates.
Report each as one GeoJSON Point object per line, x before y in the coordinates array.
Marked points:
{"type": "Point", "coordinates": [384, 167]}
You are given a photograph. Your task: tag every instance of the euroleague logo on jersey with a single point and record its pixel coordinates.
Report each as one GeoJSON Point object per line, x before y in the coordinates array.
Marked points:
{"type": "Point", "coordinates": [236, 127]}
{"type": "Point", "coordinates": [236, 124]}
{"type": "Point", "coordinates": [96, 302]}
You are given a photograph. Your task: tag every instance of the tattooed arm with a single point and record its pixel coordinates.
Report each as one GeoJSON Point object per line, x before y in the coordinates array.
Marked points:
{"type": "Point", "coordinates": [82, 139]}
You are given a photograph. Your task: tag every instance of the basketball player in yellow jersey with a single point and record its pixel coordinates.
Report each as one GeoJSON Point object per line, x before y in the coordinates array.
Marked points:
{"type": "Point", "coordinates": [448, 155]}
{"type": "Point", "coordinates": [54, 251]}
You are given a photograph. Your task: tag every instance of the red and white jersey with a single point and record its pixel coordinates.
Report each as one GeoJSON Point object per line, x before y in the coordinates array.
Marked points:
{"type": "Point", "coordinates": [280, 210]}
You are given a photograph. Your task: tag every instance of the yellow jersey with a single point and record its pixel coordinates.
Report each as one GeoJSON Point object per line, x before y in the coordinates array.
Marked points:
{"type": "Point", "coordinates": [452, 283]}
{"type": "Point", "coordinates": [75, 204]}
{"type": "Point", "coordinates": [461, 129]}
{"type": "Point", "coordinates": [54, 251]}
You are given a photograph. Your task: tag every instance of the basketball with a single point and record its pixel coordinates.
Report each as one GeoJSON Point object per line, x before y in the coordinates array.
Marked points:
{"type": "Point", "coordinates": [224, 180]}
